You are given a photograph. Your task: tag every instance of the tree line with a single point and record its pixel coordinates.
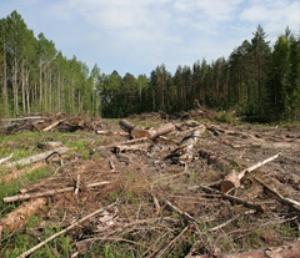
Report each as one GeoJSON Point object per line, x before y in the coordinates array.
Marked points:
{"type": "Point", "coordinates": [259, 81]}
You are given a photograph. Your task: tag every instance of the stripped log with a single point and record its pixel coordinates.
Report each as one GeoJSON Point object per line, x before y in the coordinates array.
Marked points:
{"type": "Point", "coordinates": [27, 196]}
{"type": "Point", "coordinates": [286, 251]}
{"type": "Point", "coordinates": [111, 133]}
{"type": "Point", "coordinates": [36, 158]}
{"type": "Point", "coordinates": [70, 227]}
{"type": "Point", "coordinates": [3, 160]}
{"type": "Point", "coordinates": [163, 130]}
{"type": "Point", "coordinates": [18, 217]}
{"type": "Point", "coordinates": [53, 125]}
{"type": "Point", "coordinates": [233, 179]}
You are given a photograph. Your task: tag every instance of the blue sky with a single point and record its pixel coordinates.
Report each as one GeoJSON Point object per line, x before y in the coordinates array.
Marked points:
{"type": "Point", "coordinates": [136, 35]}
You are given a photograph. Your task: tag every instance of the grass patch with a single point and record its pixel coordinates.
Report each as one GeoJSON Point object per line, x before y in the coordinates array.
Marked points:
{"type": "Point", "coordinates": [19, 243]}
{"type": "Point", "coordinates": [13, 187]}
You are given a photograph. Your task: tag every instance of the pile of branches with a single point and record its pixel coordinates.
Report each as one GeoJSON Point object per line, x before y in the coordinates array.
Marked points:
{"type": "Point", "coordinates": [58, 122]}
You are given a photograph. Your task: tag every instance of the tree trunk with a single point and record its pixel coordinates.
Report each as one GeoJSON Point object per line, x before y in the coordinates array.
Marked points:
{"type": "Point", "coordinates": [15, 86]}
{"type": "Point", "coordinates": [4, 90]}
{"type": "Point", "coordinates": [23, 87]}
{"type": "Point", "coordinates": [41, 88]}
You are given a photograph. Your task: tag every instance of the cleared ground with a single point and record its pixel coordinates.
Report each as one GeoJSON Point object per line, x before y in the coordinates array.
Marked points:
{"type": "Point", "coordinates": [159, 209]}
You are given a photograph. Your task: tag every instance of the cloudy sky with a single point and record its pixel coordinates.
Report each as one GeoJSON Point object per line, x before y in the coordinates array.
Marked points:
{"type": "Point", "coordinates": [137, 35]}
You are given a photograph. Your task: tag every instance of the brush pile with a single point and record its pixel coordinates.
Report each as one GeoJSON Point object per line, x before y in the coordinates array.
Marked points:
{"type": "Point", "coordinates": [58, 122]}
{"type": "Point", "coordinates": [182, 189]}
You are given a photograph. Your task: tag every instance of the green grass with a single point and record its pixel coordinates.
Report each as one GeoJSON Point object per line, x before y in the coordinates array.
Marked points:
{"type": "Point", "coordinates": [13, 187]}
{"type": "Point", "coordinates": [19, 243]}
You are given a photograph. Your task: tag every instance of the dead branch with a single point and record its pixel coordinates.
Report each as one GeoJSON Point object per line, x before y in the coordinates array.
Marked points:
{"type": "Point", "coordinates": [173, 241]}
{"type": "Point", "coordinates": [233, 180]}
{"type": "Point", "coordinates": [287, 201]}
{"type": "Point", "coordinates": [3, 160]}
{"type": "Point", "coordinates": [18, 217]}
{"type": "Point", "coordinates": [230, 221]}
{"type": "Point", "coordinates": [27, 196]}
{"type": "Point", "coordinates": [182, 213]}
{"type": "Point", "coordinates": [37, 158]}
{"type": "Point", "coordinates": [70, 227]}
{"type": "Point", "coordinates": [185, 151]}
{"type": "Point", "coordinates": [77, 185]}
{"type": "Point", "coordinates": [232, 198]}
{"type": "Point", "coordinates": [286, 251]}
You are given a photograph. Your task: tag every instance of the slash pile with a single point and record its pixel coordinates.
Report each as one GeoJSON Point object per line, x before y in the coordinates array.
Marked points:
{"type": "Point", "coordinates": [182, 189]}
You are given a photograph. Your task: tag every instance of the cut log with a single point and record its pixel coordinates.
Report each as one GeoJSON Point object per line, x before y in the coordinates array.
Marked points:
{"type": "Point", "coordinates": [27, 196]}
{"type": "Point", "coordinates": [287, 251]}
{"type": "Point", "coordinates": [126, 126]}
{"type": "Point", "coordinates": [71, 226]}
{"type": "Point", "coordinates": [53, 125]}
{"type": "Point", "coordinates": [18, 217]}
{"type": "Point", "coordinates": [3, 160]}
{"type": "Point", "coordinates": [163, 130]}
{"type": "Point", "coordinates": [36, 158]}
{"type": "Point", "coordinates": [233, 180]}
{"type": "Point", "coordinates": [111, 133]}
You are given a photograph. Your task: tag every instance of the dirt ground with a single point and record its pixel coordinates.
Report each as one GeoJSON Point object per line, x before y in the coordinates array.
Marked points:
{"type": "Point", "coordinates": [162, 206]}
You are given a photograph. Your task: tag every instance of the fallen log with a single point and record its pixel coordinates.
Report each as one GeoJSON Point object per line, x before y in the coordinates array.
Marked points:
{"type": "Point", "coordinates": [233, 179]}
{"type": "Point", "coordinates": [111, 133]}
{"type": "Point", "coordinates": [20, 119]}
{"type": "Point", "coordinates": [126, 125]}
{"type": "Point", "coordinates": [53, 125]}
{"type": "Point", "coordinates": [135, 132]}
{"type": "Point", "coordinates": [27, 196]}
{"type": "Point", "coordinates": [37, 158]}
{"type": "Point", "coordinates": [71, 226]}
{"type": "Point", "coordinates": [286, 251]}
{"type": "Point", "coordinates": [163, 130]}
{"type": "Point", "coordinates": [18, 217]}
{"type": "Point", "coordinates": [142, 133]}
{"type": "Point", "coordinates": [3, 160]}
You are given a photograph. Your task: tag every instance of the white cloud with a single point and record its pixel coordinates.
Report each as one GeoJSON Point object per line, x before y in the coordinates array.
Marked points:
{"type": "Point", "coordinates": [273, 15]}
{"type": "Point", "coordinates": [139, 34]}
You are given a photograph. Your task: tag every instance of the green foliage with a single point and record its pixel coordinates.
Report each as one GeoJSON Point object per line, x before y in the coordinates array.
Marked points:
{"type": "Point", "coordinates": [262, 83]}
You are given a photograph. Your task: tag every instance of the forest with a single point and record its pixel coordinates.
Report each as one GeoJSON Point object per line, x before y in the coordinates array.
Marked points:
{"type": "Point", "coordinates": [259, 80]}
